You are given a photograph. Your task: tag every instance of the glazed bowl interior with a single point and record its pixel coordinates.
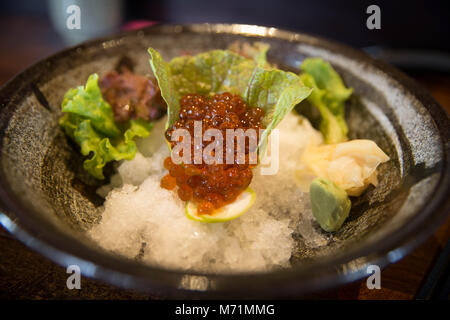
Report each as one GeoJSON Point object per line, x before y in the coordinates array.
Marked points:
{"type": "Point", "coordinates": [49, 202]}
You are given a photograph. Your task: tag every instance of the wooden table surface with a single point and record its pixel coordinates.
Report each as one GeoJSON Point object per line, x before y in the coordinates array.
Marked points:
{"type": "Point", "coordinates": [25, 274]}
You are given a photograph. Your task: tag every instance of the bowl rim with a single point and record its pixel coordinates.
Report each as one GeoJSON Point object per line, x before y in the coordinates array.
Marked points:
{"type": "Point", "coordinates": [346, 266]}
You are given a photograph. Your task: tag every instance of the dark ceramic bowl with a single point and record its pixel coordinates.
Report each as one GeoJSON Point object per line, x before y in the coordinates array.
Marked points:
{"type": "Point", "coordinates": [49, 202]}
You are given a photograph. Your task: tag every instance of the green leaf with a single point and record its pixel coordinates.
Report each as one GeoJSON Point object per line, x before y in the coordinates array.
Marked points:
{"type": "Point", "coordinates": [327, 79]}
{"type": "Point", "coordinates": [89, 121]}
{"type": "Point", "coordinates": [210, 72]}
{"type": "Point", "coordinates": [88, 102]}
{"type": "Point", "coordinates": [163, 74]}
{"type": "Point", "coordinates": [276, 92]}
{"type": "Point", "coordinates": [217, 71]}
{"type": "Point", "coordinates": [328, 96]}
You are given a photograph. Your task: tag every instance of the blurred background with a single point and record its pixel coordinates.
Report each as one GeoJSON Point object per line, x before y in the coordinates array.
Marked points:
{"type": "Point", "coordinates": [414, 36]}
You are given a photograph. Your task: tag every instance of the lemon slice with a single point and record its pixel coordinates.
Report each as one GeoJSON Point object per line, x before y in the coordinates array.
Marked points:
{"type": "Point", "coordinates": [226, 213]}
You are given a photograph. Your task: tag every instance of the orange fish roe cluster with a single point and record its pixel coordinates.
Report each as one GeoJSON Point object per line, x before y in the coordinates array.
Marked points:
{"type": "Point", "coordinates": [212, 185]}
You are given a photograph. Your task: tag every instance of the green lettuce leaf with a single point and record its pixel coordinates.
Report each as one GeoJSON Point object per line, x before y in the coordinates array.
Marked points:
{"type": "Point", "coordinates": [206, 73]}
{"type": "Point", "coordinates": [88, 103]}
{"type": "Point", "coordinates": [89, 121]}
{"type": "Point", "coordinates": [277, 92]}
{"type": "Point", "coordinates": [328, 96]}
{"type": "Point", "coordinates": [217, 71]}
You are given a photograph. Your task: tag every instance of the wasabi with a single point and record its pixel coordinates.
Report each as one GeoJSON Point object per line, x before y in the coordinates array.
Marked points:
{"type": "Point", "coordinates": [330, 204]}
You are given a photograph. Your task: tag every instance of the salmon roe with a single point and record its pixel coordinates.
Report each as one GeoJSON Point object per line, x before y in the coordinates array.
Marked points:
{"type": "Point", "coordinates": [212, 185]}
